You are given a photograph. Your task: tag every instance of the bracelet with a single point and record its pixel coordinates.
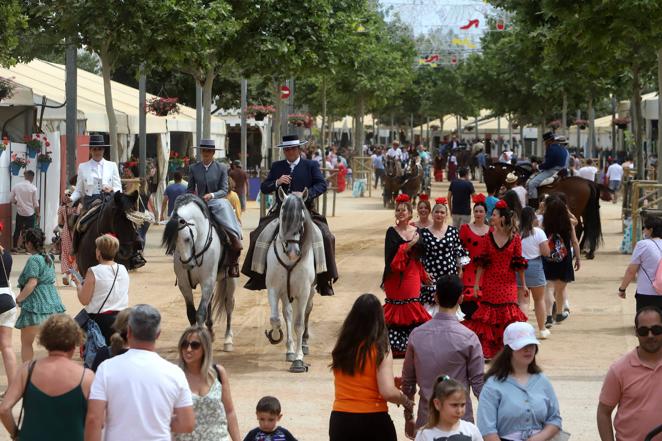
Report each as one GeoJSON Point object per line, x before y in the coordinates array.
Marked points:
{"type": "Point", "coordinates": [621, 289]}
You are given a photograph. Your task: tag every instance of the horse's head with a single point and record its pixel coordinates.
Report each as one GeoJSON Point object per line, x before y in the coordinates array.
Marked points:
{"type": "Point", "coordinates": [390, 166]}
{"type": "Point", "coordinates": [181, 231]}
{"type": "Point", "coordinates": [291, 222]}
{"type": "Point", "coordinates": [116, 218]}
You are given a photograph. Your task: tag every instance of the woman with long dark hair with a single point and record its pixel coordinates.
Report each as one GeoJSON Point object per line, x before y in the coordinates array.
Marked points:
{"type": "Point", "coordinates": [559, 267]}
{"type": "Point", "coordinates": [471, 235]}
{"type": "Point", "coordinates": [517, 401]}
{"type": "Point", "coordinates": [512, 199]}
{"type": "Point", "coordinates": [403, 274]}
{"type": "Point", "coordinates": [498, 259]}
{"type": "Point", "coordinates": [362, 366]}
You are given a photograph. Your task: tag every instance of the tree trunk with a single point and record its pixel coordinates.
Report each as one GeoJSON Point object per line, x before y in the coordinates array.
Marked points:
{"type": "Point", "coordinates": [358, 125]}
{"type": "Point", "coordinates": [637, 120]}
{"type": "Point", "coordinates": [591, 128]}
{"type": "Point", "coordinates": [564, 115]}
{"type": "Point", "coordinates": [106, 70]}
{"type": "Point", "coordinates": [539, 147]}
{"type": "Point", "coordinates": [206, 103]}
{"type": "Point", "coordinates": [323, 137]}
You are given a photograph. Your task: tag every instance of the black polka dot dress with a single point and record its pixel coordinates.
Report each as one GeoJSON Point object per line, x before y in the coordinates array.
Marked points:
{"type": "Point", "coordinates": [442, 257]}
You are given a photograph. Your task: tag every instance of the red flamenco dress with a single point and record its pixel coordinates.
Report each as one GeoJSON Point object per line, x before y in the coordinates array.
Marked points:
{"type": "Point", "coordinates": [472, 243]}
{"type": "Point", "coordinates": [403, 274]}
{"type": "Point", "coordinates": [498, 303]}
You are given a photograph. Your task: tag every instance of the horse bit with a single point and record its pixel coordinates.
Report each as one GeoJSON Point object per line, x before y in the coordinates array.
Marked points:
{"type": "Point", "coordinates": [289, 268]}
{"type": "Point", "coordinates": [194, 255]}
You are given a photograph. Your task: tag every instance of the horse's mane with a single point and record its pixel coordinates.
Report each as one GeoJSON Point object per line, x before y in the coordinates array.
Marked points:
{"type": "Point", "coordinates": [292, 215]}
{"type": "Point", "coordinates": [169, 239]}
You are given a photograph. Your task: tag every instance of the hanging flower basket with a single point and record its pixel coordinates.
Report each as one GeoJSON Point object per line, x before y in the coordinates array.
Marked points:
{"type": "Point", "coordinates": [17, 163]}
{"type": "Point", "coordinates": [7, 87]}
{"type": "Point", "coordinates": [468, 128]}
{"type": "Point", "coordinates": [300, 120]}
{"type": "Point", "coordinates": [581, 123]}
{"type": "Point", "coordinates": [162, 106]}
{"type": "Point", "coordinates": [35, 144]}
{"type": "Point", "coordinates": [3, 145]}
{"type": "Point", "coordinates": [258, 112]}
{"type": "Point", "coordinates": [621, 123]}
{"type": "Point", "coordinates": [554, 124]}
{"type": "Point", "coordinates": [44, 161]}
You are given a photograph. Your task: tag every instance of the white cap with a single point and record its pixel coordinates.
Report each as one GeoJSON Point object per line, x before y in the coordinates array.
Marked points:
{"type": "Point", "coordinates": [519, 334]}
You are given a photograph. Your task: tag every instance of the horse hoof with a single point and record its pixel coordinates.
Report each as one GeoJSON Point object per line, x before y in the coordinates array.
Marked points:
{"type": "Point", "coordinates": [270, 336]}
{"type": "Point", "coordinates": [290, 356]}
{"type": "Point", "coordinates": [298, 367]}
{"type": "Point", "coordinates": [228, 347]}
{"type": "Point", "coordinates": [590, 256]}
{"type": "Point", "coordinates": [305, 350]}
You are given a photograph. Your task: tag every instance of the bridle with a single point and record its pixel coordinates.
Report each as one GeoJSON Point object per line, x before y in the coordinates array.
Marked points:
{"type": "Point", "coordinates": [197, 257]}
{"type": "Point", "coordinates": [289, 268]}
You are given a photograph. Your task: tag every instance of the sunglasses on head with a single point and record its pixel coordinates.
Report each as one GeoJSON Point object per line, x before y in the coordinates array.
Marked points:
{"type": "Point", "coordinates": [195, 345]}
{"type": "Point", "coordinates": [643, 331]}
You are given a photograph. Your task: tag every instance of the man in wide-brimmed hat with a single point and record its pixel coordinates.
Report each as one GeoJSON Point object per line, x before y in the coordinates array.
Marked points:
{"type": "Point", "coordinates": [209, 180]}
{"type": "Point", "coordinates": [97, 176]}
{"type": "Point", "coordinates": [294, 174]}
{"type": "Point", "coordinates": [556, 159]}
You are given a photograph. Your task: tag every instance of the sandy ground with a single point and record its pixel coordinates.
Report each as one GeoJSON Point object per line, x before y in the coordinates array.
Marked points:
{"type": "Point", "coordinates": [576, 357]}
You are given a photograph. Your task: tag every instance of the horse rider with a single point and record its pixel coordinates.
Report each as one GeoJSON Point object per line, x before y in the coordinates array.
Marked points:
{"type": "Point", "coordinates": [209, 180]}
{"type": "Point", "coordinates": [556, 159]}
{"type": "Point", "coordinates": [96, 177]}
{"type": "Point", "coordinates": [294, 174]}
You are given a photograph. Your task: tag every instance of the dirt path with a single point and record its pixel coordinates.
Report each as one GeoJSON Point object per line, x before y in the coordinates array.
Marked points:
{"type": "Point", "coordinates": [575, 358]}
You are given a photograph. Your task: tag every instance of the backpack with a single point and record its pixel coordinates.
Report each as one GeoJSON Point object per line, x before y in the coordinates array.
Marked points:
{"type": "Point", "coordinates": [94, 341]}
{"type": "Point", "coordinates": [557, 248]}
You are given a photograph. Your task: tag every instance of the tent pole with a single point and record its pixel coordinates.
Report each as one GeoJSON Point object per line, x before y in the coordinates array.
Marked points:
{"type": "Point", "coordinates": [71, 110]}
{"type": "Point", "coordinates": [142, 123]}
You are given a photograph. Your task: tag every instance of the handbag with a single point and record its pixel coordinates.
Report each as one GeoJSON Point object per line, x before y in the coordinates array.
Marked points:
{"type": "Point", "coordinates": [7, 299]}
{"type": "Point", "coordinates": [83, 316]}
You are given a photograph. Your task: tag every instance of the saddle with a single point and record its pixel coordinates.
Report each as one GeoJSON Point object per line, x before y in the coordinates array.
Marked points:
{"type": "Point", "coordinates": [561, 174]}
{"type": "Point", "coordinates": [85, 218]}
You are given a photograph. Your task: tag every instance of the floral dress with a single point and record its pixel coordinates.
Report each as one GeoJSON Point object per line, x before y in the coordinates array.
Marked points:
{"type": "Point", "coordinates": [44, 300]}
{"type": "Point", "coordinates": [402, 278]}
{"type": "Point", "coordinates": [66, 238]}
{"type": "Point", "coordinates": [498, 304]}
{"type": "Point", "coordinates": [442, 257]}
{"type": "Point", "coordinates": [211, 423]}
{"type": "Point", "coordinates": [471, 243]}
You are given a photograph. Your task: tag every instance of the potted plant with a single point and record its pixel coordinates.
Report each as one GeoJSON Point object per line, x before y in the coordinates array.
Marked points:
{"type": "Point", "coordinates": [35, 144]}
{"type": "Point", "coordinates": [162, 106]}
{"type": "Point", "coordinates": [4, 144]}
{"type": "Point", "coordinates": [581, 123]}
{"type": "Point", "coordinates": [555, 124]}
{"type": "Point", "coordinates": [6, 88]}
{"type": "Point", "coordinates": [621, 122]}
{"type": "Point", "coordinates": [17, 163]}
{"type": "Point", "coordinates": [259, 112]}
{"type": "Point", "coordinates": [44, 161]}
{"type": "Point", "coordinates": [296, 119]}
{"type": "Point", "coordinates": [174, 162]}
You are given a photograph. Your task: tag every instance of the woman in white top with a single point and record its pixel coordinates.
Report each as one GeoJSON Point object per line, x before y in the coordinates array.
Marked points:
{"type": "Point", "coordinates": [645, 260]}
{"type": "Point", "coordinates": [105, 291]}
{"type": "Point", "coordinates": [534, 247]}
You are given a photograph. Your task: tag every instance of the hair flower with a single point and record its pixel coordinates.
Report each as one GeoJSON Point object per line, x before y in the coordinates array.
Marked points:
{"type": "Point", "coordinates": [424, 197]}
{"type": "Point", "coordinates": [441, 201]}
{"type": "Point", "coordinates": [402, 198]}
{"type": "Point", "coordinates": [501, 204]}
{"type": "Point", "coordinates": [478, 198]}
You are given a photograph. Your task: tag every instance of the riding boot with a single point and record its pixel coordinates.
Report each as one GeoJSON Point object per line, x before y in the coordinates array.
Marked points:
{"type": "Point", "coordinates": [324, 286]}
{"type": "Point", "coordinates": [233, 256]}
{"type": "Point", "coordinates": [533, 203]}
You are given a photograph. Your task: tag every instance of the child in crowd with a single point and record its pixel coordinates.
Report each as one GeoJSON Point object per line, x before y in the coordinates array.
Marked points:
{"type": "Point", "coordinates": [446, 409]}
{"type": "Point", "coordinates": [268, 416]}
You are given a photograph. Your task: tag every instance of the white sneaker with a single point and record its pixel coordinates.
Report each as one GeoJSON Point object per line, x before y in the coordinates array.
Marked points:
{"type": "Point", "coordinates": [543, 334]}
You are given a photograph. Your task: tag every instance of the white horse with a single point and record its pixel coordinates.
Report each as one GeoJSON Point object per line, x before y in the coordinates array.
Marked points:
{"type": "Point", "coordinates": [290, 276]}
{"type": "Point", "coordinates": [190, 236]}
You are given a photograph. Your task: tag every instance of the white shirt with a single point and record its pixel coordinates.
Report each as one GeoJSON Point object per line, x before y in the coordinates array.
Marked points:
{"type": "Point", "coordinates": [93, 176]}
{"type": "Point", "coordinates": [647, 254]}
{"type": "Point", "coordinates": [24, 195]}
{"type": "Point", "coordinates": [141, 391]}
{"type": "Point", "coordinates": [294, 164]}
{"type": "Point", "coordinates": [394, 153]}
{"type": "Point", "coordinates": [521, 194]}
{"type": "Point", "coordinates": [465, 428]}
{"type": "Point", "coordinates": [506, 156]}
{"type": "Point", "coordinates": [103, 280]}
{"type": "Point", "coordinates": [615, 172]}
{"type": "Point", "coordinates": [531, 243]}
{"type": "Point", "coordinates": [587, 172]}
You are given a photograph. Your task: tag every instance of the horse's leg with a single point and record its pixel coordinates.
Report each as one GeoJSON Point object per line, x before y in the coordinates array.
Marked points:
{"type": "Point", "coordinates": [228, 288]}
{"type": "Point", "coordinates": [290, 355]}
{"type": "Point", "coordinates": [274, 319]}
{"type": "Point", "coordinates": [306, 333]}
{"type": "Point", "coordinates": [301, 302]}
{"type": "Point", "coordinates": [203, 315]}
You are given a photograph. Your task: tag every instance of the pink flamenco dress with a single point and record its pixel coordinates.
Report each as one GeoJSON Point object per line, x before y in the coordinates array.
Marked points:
{"type": "Point", "coordinates": [498, 302]}
{"type": "Point", "coordinates": [403, 274]}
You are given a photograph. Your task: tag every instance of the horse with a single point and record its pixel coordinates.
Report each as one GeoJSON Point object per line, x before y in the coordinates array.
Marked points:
{"type": "Point", "coordinates": [413, 181]}
{"type": "Point", "coordinates": [583, 198]}
{"type": "Point", "coordinates": [116, 214]}
{"type": "Point", "coordinates": [290, 276]}
{"type": "Point", "coordinates": [392, 179]}
{"type": "Point", "coordinates": [198, 252]}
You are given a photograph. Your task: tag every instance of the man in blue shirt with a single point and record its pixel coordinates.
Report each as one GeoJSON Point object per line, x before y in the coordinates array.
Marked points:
{"type": "Point", "coordinates": [171, 193]}
{"type": "Point", "coordinates": [556, 158]}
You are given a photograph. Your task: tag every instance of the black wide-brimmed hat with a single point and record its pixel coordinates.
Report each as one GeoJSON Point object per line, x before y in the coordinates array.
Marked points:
{"type": "Point", "coordinates": [208, 144]}
{"type": "Point", "coordinates": [96, 141]}
{"type": "Point", "coordinates": [291, 141]}
{"type": "Point", "coordinates": [549, 136]}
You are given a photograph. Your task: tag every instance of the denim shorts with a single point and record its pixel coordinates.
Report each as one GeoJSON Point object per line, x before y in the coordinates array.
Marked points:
{"type": "Point", "coordinates": [534, 274]}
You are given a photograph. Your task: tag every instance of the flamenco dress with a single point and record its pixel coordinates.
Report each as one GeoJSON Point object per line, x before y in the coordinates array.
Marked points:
{"type": "Point", "coordinates": [471, 243]}
{"type": "Point", "coordinates": [403, 273]}
{"type": "Point", "coordinates": [498, 304]}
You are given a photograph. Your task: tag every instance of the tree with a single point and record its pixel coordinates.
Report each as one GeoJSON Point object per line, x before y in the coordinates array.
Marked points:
{"type": "Point", "coordinates": [12, 22]}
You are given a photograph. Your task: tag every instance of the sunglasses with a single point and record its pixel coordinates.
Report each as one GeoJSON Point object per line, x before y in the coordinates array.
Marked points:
{"type": "Point", "coordinates": [644, 330]}
{"type": "Point", "coordinates": [194, 345]}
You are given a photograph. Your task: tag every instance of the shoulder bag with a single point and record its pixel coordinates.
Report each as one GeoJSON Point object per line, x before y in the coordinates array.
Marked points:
{"type": "Point", "coordinates": [83, 316]}
{"type": "Point", "coordinates": [7, 299]}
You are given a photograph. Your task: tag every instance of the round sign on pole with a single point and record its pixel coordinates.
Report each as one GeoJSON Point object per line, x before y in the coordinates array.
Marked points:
{"type": "Point", "coordinates": [284, 92]}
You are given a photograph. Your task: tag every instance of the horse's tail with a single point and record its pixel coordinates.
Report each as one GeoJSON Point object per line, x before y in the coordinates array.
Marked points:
{"type": "Point", "coordinates": [169, 239]}
{"type": "Point", "coordinates": [592, 224]}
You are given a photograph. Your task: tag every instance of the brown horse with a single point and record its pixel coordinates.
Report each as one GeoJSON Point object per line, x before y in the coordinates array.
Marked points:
{"type": "Point", "coordinates": [392, 179]}
{"type": "Point", "coordinates": [583, 201]}
{"type": "Point", "coordinates": [413, 181]}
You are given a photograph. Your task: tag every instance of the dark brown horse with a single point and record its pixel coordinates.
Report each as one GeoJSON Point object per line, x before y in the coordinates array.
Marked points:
{"type": "Point", "coordinates": [392, 180]}
{"type": "Point", "coordinates": [413, 181]}
{"type": "Point", "coordinates": [583, 201]}
{"type": "Point", "coordinates": [112, 218]}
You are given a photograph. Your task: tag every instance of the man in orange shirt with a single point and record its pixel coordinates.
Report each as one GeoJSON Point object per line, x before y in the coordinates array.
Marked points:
{"type": "Point", "coordinates": [634, 383]}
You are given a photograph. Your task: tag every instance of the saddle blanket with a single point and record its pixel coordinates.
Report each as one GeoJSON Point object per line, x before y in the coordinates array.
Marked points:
{"type": "Point", "coordinates": [268, 235]}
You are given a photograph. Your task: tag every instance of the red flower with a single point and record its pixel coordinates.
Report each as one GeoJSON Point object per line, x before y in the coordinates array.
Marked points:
{"type": "Point", "coordinates": [48, 144]}
{"type": "Point", "coordinates": [2, 227]}
{"type": "Point", "coordinates": [441, 201]}
{"type": "Point", "coordinates": [26, 138]}
{"type": "Point", "coordinates": [501, 204]}
{"type": "Point", "coordinates": [480, 197]}
{"type": "Point", "coordinates": [112, 234]}
{"type": "Point", "coordinates": [424, 197]}
{"type": "Point", "coordinates": [402, 198]}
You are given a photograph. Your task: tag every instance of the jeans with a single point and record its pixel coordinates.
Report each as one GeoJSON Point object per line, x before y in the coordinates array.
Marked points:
{"type": "Point", "coordinates": [242, 201]}
{"type": "Point", "coordinates": [379, 174]}
{"type": "Point", "coordinates": [536, 180]}
{"type": "Point", "coordinates": [22, 223]}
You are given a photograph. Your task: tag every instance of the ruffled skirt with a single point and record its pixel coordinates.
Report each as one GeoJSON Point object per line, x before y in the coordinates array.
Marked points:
{"type": "Point", "coordinates": [401, 317]}
{"type": "Point", "coordinates": [489, 321]}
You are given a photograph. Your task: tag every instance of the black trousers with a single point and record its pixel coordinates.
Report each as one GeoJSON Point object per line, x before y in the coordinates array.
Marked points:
{"type": "Point", "coordinates": [379, 174]}
{"type": "Point", "coordinates": [105, 322]}
{"type": "Point", "coordinates": [345, 426]}
{"type": "Point", "coordinates": [22, 223]}
{"type": "Point", "coordinates": [645, 300]}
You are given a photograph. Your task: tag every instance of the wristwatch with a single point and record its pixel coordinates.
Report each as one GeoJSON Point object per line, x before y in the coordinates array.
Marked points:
{"type": "Point", "coordinates": [621, 289]}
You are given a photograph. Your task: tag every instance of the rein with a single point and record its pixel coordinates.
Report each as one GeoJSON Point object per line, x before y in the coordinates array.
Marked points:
{"type": "Point", "coordinates": [288, 268]}
{"type": "Point", "coordinates": [195, 256]}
